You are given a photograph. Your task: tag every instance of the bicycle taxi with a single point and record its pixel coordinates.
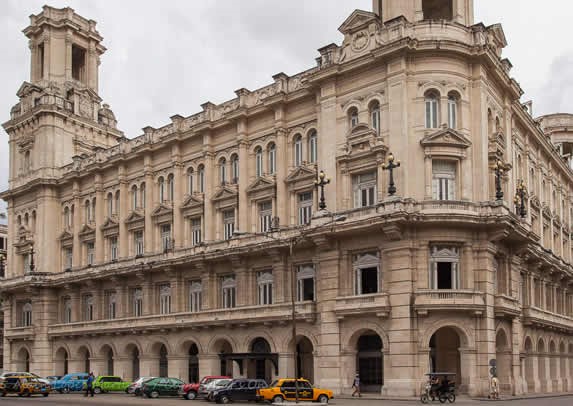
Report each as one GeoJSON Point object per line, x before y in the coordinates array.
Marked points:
{"type": "Point", "coordinates": [439, 386]}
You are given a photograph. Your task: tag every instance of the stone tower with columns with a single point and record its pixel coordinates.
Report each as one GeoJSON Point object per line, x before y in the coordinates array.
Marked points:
{"type": "Point", "coordinates": [460, 11]}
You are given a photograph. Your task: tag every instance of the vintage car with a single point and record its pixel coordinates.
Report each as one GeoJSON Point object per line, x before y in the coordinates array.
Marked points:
{"type": "Point", "coordinates": [161, 387]}
{"type": "Point", "coordinates": [7, 374]}
{"type": "Point", "coordinates": [24, 386]}
{"type": "Point", "coordinates": [70, 382]}
{"type": "Point", "coordinates": [104, 384]}
{"type": "Point", "coordinates": [285, 389]}
{"type": "Point", "coordinates": [191, 390]}
{"type": "Point", "coordinates": [239, 390]}
{"type": "Point", "coordinates": [135, 387]}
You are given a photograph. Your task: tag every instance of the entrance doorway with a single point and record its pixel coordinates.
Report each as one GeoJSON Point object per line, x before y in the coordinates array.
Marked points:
{"type": "Point", "coordinates": [369, 362]}
{"type": "Point", "coordinates": [445, 353]}
{"type": "Point", "coordinates": [261, 366]}
{"type": "Point", "coordinates": [193, 363]}
{"type": "Point", "coordinates": [305, 359]}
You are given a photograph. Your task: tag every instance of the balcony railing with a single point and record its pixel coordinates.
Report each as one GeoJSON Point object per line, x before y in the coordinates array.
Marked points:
{"type": "Point", "coordinates": [19, 332]}
{"type": "Point", "coordinates": [449, 300]}
{"type": "Point", "coordinates": [543, 318]}
{"type": "Point", "coordinates": [377, 304]}
{"type": "Point", "coordinates": [269, 315]}
{"type": "Point", "coordinates": [507, 306]}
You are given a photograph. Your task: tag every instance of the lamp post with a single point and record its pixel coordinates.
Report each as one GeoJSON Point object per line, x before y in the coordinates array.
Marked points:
{"type": "Point", "coordinates": [520, 199]}
{"type": "Point", "coordinates": [499, 169]}
{"type": "Point", "coordinates": [390, 166]}
{"type": "Point", "coordinates": [320, 183]}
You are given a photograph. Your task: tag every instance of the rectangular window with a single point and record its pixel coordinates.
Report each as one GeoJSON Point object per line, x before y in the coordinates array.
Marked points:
{"type": "Point", "coordinates": [88, 308]}
{"type": "Point", "coordinates": [196, 231]}
{"type": "Point", "coordinates": [364, 189]}
{"type": "Point", "coordinates": [164, 299]}
{"type": "Point", "coordinates": [27, 263]}
{"type": "Point", "coordinates": [265, 216]}
{"type": "Point", "coordinates": [444, 268]}
{"type": "Point", "coordinates": [67, 310]}
{"type": "Point", "coordinates": [305, 283]}
{"type": "Point", "coordinates": [166, 237]}
{"type": "Point", "coordinates": [78, 63]}
{"type": "Point", "coordinates": [138, 243]}
{"type": "Point", "coordinates": [228, 290]}
{"type": "Point", "coordinates": [90, 251]}
{"type": "Point", "coordinates": [265, 283]}
{"type": "Point", "coordinates": [304, 207]}
{"type": "Point", "coordinates": [68, 255]}
{"type": "Point", "coordinates": [195, 296]}
{"type": "Point", "coordinates": [26, 316]}
{"type": "Point", "coordinates": [443, 180]}
{"type": "Point", "coordinates": [110, 304]}
{"type": "Point", "coordinates": [137, 302]}
{"type": "Point", "coordinates": [228, 223]}
{"type": "Point", "coordinates": [113, 252]}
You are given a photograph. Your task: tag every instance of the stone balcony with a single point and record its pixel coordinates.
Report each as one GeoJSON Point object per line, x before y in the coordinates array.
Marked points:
{"type": "Point", "coordinates": [533, 316]}
{"type": "Point", "coordinates": [426, 301]}
{"type": "Point", "coordinates": [277, 314]}
{"type": "Point", "coordinates": [506, 306]}
{"type": "Point", "coordinates": [377, 304]}
{"type": "Point", "coordinates": [20, 333]}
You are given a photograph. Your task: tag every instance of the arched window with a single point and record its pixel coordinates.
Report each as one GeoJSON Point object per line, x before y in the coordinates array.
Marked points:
{"type": "Point", "coordinates": [438, 9]}
{"type": "Point", "coordinates": [142, 195]}
{"type": "Point", "coordinates": [432, 110]}
{"type": "Point", "coordinates": [312, 147]}
{"type": "Point", "coordinates": [453, 101]}
{"type": "Point", "coordinates": [170, 187]}
{"type": "Point", "coordinates": [223, 171]}
{"type": "Point", "coordinates": [161, 186]}
{"type": "Point", "coordinates": [134, 197]}
{"type": "Point", "coordinates": [27, 314]}
{"type": "Point", "coordinates": [201, 180]}
{"type": "Point", "coordinates": [298, 150]}
{"type": "Point", "coordinates": [272, 159]}
{"type": "Point", "coordinates": [71, 213]}
{"type": "Point", "coordinates": [109, 204]}
{"type": "Point", "coordinates": [375, 116]}
{"type": "Point", "coordinates": [235, 168]}
{"type": "Point", "coordinates": [353, 117]}
{"type": "Point", "coordinates": [87, 211]}
{"type": "Point", "coordinates": [117, 202]}
{"type": "Point", "coordinates": [259, 162]}
{"type": "Point", "coordinates": [190, 174]}
{"type": "Point", "coordinates": [66, 217]}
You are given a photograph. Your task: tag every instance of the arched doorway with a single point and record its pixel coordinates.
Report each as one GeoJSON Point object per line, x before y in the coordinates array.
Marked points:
{"type": "Point", "coordinates": [369, 362]}
{"type": "Point", "coordinates": [542, 371]}
{"type": "Point", "coordinates": [563, 367]}
{"type": "Point", "coordinates": [23, 360]}
{"type": "Point", "coordinates": [305, 362]}
{"type": "Point", "coordinates": [84, 355]}
{"type": "Point", "coordinates": [61, 358]}
{"type": "Point", "coordinates": [193, 363]}
{"type": "Point", "coordinates": [220, 347]}
{"type": "Point", "coordinates": [133, 352]}
{"type": "Point", "coordinates": [529, 377]}
{"type": "Point", "coordinates": [503, 357]}
{"type": "Point", "coordinates": [107, 354]}
{"type": "Point", "coordinates": [444, 352]}
{"type": "Point", "coordinates": [163, 361]}
{"type": "Point", "coordinates": [553, 365]}
{"type": "Point", "coordinates": [260, 368]}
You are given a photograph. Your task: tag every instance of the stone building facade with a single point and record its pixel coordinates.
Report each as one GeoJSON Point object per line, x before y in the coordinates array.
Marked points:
{"type": "Point", "coordinates": [178, 252]}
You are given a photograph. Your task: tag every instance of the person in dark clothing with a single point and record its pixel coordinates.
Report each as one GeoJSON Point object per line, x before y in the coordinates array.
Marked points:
{"type": "Point", "coordinates": [89, 385]}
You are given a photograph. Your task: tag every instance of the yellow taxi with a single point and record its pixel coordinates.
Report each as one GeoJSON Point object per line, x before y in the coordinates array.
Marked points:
{"type": "Point", "coordinates": [285, 389]}
{"type": "Point", "coordinates": [24, 386]}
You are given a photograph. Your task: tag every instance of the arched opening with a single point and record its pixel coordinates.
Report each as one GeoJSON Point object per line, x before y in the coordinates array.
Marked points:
{"type": "Point", "coordinates": [353, 117]}
{"type": "Point", "coordinates": [193, 363]}
{"type": "Point", "coordinates": [133, 353]}
{"type": "Point", "coordinates": [260, 368]}
{"type": "Point", "coordinates": [61, 364]}
{"type": "Point", "coordinates": [369, 362]}
{"type": "Point", "coordinates": [23, 360]}
{"type": "Point", "coordinates": [221, 347]}
{"type": "Point", "coordinates": [553, 364]}
{"type": "Point", "coordinates": [541, 367]}
{"type": "Point", "coordinates": [305, 362]}
{"type": "Point", "coordinates": [432, 113]}
{"type": "Point", "coordinates": [107, 354]}
{"type": "Point", "coordinates": [84, 355]}
{"type": "Point", "coordinates": [163, 361]}
{"type": "Point", "coordinates": [563, 366]}
{"type": "Point", "coordinates": [503, 357]}
{"type": "Point", "coordinates": [529, 378]}
{"type": "Point", "coordinates": [438, 9]}
{"type": "Point", "coordinates": [445, 353]}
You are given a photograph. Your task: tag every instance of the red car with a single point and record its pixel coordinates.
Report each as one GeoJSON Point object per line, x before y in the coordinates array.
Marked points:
{"type": "Point", "coordinates": [191, 390]}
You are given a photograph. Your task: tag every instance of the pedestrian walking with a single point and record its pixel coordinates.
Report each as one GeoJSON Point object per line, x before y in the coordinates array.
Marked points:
{"type": "Point", "coordinates": [89, 385]}
{"type": "Point", "coordinates": [494, 388]}
{"type": "Point", "coordinates": [356, 386]}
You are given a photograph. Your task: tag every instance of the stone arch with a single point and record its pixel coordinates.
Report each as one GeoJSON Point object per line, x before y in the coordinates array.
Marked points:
{"type": "Point", "coordinates": [84, 355]}
{"type": "Point", "coordinates": [260, 368]}
{"type": "Point", "coordinates": [541, 361]}
{"type": "Point", "coordinates": [310, 130]}
{"type": "Point", "coordinates": [375, 97]}
{"type": "Point", "coordinates": [223, 345]}
{"type": "Point", "coordinates": [466, 336]}
{"type": "Point", "coordinates": [133, 352]}
{"type": "Point", "coordinates": [156, 343]}
{"type": "Point", "coordinates": [503, 356]}
{"type": "Point", "coordinates": [61, 360]}
{"type": "Point", "coordinates": [286, 343]}
{"type": "Point", "coordinates": [529, 364]}
{"type": "Point", "coordinates": [260, 334]}
{"type": "Point", "coordinates": [218, 340]}
{"type": "Point", "coordinates": [190, 347]}
{"type": "Point", "coordinates": [350, 105]}
{"type": "Point", "coordinates": [182, 346]}
{"type": "Point", "coordinates": [161, 351]}
{"type": "Point", "coordinates": [23, 356]}
{"type": "Point", "coordinates": [430, 87]}
{"type": "Point", "coordinates": [107, 354]}
{"type": "Point", "coordinates": [351, 336]}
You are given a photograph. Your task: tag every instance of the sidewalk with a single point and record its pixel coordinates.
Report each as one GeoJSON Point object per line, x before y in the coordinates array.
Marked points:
{"type": "Point", "coordinates": [375, 396]}
{"type": "Point", "coordinates": [526, 397]}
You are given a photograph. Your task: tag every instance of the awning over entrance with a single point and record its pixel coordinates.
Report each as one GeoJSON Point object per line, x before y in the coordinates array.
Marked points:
{"type": "Point", "coordinates": [240, 357]}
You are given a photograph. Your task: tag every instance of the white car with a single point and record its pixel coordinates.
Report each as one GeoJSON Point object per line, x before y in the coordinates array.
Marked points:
{"type": "Point", "coordinates": [8, 374]}
{"type": "Point", "coordinates": [206, 390]}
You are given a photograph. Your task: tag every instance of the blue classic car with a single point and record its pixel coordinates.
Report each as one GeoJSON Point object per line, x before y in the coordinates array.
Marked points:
{"type": "Point", "coordinates": [70, 382]}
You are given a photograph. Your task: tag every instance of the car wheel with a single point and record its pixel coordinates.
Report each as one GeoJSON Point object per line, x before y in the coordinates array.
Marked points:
{"type": "Point", "coordinates": [45, 395]}
{"type": "Point", "coordinates": [97, 391]}
{"type": "Point", "coordinates": [154, 395]}
{"type": "Point", "coordinates": [66, 390]}
{"type": "Point", "coordinates": [224, 399]}
{"type": "Point", "coordinates": [278, 399]}
{"type": "Point", "coordinates": [191, 395]}
{"type": "Point", "coordinates": [323, 399]}
{"type": "Point", "coordinates": [27, 393]}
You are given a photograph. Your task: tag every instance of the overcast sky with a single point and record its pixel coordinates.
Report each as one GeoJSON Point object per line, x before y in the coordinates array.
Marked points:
{"type": "Point", "coordinates": [168, 57]}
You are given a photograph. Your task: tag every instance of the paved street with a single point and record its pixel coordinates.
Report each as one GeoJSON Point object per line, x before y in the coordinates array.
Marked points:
{"type": "Point", "coordinates": [124, 400]}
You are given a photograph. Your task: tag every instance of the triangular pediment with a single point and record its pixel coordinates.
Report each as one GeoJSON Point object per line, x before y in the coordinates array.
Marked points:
{"type": "Point", "coordinates": [223, 193]}
{"type": "Point", "coordinates": [446, 137]}
{"type": "Point", "coordinates": [109, 223]}
{"type": "Point", "coordinates": [134, 216]}
{"type": "Point", "coordinates": [26, 88]}
{"type": "Point", "coordinates": [192, 202]}
{"type": "Point", "coordinates": [261, 184]}
{"type": "Point", "coordinates": [66, 235]}
{"type": "Point", "coordinates": [301, 173]}
{"type": "Point", "coordinates": [357, 20]}
{"type": "Point", "coordinates": [161, 210]}
{"type": "Point", "coordinates": [86, 229]}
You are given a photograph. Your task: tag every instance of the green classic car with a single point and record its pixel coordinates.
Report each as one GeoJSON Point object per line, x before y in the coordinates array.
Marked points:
{"type": "Point", "coordinates": [103, 384]}
{"type": "Point", "coordinates": [161, 387]}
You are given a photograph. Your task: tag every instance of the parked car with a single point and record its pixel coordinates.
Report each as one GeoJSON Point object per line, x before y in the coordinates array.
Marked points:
{"type": "Point", "coordinates": [206, 391]}
{"type": "Point", "coordinates": [104, 384]}
{"type": "Point", "coordinates": [70, 382]}
{"type": "Point", "coordinates": [7, 374]}
{"type": "Point", "coordinates": [285, 389]}
{"type": "Point", "coordinates": [135, 387]}
{"type": "Point", "coordinates": [161, 387]}
{"type": "Point", "coordinates": [24, 386]}
{"type": "Point", "coordinates": [239, 390]}
{"type": "Point", "coordinates": [53, 378]}
{"type": "Point", "coordinates": [191, 390]}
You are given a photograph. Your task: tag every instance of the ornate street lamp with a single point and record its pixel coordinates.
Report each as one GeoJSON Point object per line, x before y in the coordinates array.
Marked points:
{"type": "Point", "coordinates": [520, 199]}
{"type": "Point", "coordinates": [320, 183]}
{"type": "Point", "coordinates": [390, 166]}
{"type": "Point", "coordinates": [499, 168]}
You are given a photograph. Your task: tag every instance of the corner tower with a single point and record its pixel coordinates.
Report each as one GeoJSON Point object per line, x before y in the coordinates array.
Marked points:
{"type": "Point", "coordinates": [59, 114]}
{"type": "Point", "coordinates": [459, 11]}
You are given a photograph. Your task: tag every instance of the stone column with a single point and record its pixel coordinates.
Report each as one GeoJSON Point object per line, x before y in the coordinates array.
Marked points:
{"type": "Point", "coordinates": [210, 179]}
{"type": "Point", "coordinates": [179, 190]}
{"type": "Point", "coordinates": [122, 213]}
{"type": "Point", "coordinates": [7, 344]}
{"type": "Point", "coordinates": [76, 300]}
{"type": "Point", "coordinates": [178, 366]}
{"type": "Point", "coordinates": [148, 302]}
{"type": "Point", "coordinates": [149, 233]}
{"type": "Point", "coordinates": [279, 275]}
{"type": "Point", "coordinates": [209, 364]}
{"type": "Point", "coordinates": [76, 364]}
{"type": "Point", "coordinates": [122, 366]}
{"type": "Point", "coordinates": [99, 219]}
{"type": "Point", "coordinates": [328, 139]}
{"type": "Point", "coordinates": [244, 178]}
{"type": "Point", "coordinates": [121, 299]}
{"type": "Point", "coordinates": [149, 365]}
{"type": "Point", "coordinates": [98, 366]}
{"type": "Point", "coordinates": [76, 227]}
{"type": "Point", "coordinates": [470, 379]}
{"type": "Point", "coordinates": [286, 364]}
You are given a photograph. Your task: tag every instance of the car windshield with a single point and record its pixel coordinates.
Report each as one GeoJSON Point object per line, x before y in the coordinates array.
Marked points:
{"type": "Point", "coordinates": [11, 380]}
{"type": "Point", "coordinates": [222, 383]}
{"type": "Point", "coordinates": [274, 383]}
